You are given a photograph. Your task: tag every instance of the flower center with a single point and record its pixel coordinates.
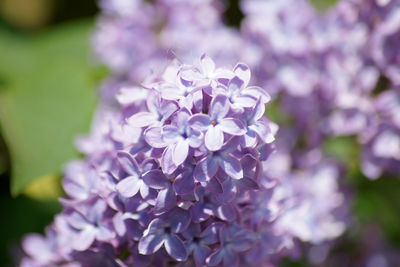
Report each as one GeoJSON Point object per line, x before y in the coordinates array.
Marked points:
{"type": "Point", "coordinates": [213, 123]}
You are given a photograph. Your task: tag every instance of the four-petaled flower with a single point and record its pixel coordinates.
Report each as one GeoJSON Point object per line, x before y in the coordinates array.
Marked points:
{"type": "Point", "coordinates": [216, 123]}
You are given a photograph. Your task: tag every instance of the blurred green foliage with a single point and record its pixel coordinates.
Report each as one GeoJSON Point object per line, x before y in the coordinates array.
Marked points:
{"type": "Point", "coordinates": [379, 202]}
{"type": "Point", "coordinates": [373, 201]}
{"type": "Point", "coordinates": [20, 216]}
{"type": "Point", "coordinates": [323, 5]}
{"type": "Point", "coordinates": [344, 149]}
{"type": "Point", "coordinates": [47, 97]}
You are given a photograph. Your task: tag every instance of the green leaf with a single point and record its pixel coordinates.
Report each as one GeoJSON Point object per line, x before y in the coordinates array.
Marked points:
{"type": "Point", "coordinates": [323, 5]}
{"type": "Point", "coordinates": [20, 216]}
{"type": "Point", "coordinates": [378, 201]}
{"type": "Point", "coordinates": [47, 97]}
{"type": "Point", "coordinates": [344, 149]}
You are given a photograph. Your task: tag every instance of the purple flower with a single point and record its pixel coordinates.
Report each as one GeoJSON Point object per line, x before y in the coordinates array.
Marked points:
{"type": "Point", "coordinates": [164, 233]}
{"type": "Point", "coordinates": [207, 206]}
{"type": "Point", "coordinates": [42, 249]}
{"type": "Point", "coordinates": [177, 137]}
{"type": "Point", "coordinates": [198, 242]}
{"type": "Point", "coordinates": [208, 166]}
{"type": "Point", "coordinates": [216, 124]}
{"type": "Point", "coordinates": [233, 240]}
{"type": "Point", "coordinates": [239, 94]}
{"type": "Point", "coordinates": [90, 225]}
{"type": "Point", "coordinates": [159, 111]}
{"type": "Point", "coordinates": [134, 181]}
{"type": "Point", "coordinates": [207, 75]}
{"type": "Point", "coordinates": [173, 174]}
{"type": "Point", "coordinates": [131, 218]}
{"type": "Point", "coordinates": [80, 180]}
{"type": "Point", "coordinates": [257, 126]}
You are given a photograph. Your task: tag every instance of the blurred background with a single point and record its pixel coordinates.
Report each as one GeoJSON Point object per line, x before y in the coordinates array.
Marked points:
{"type": "Point", "coordinates": [47, 96]}
{"type": "Point", "coordinates": [48, 91]}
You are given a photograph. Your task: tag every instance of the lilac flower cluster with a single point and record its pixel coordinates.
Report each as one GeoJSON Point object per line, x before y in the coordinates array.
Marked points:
{"type": "Point", "coordinates": [177, 176]}
{"type": "Point", "coordinates": [328, 70]}
{"type": "Point", "coordinates": [177, 166]}
{"type": "Point", "coordinates": [134, 38]}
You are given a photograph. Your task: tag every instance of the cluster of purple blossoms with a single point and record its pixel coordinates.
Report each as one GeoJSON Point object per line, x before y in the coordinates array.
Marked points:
{"type": "Point", "coordinates": [134, 38]}
{"type": "Point", "coordinates": [177, 176]}
{"type": "Point", "coordinates": [328, 70]}
{"type": "Point", "coordinates": [177, 166]}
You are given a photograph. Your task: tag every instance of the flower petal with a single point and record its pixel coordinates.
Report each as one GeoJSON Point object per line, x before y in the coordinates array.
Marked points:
{"type": "Point", "coordinates": [200, 122]}
{"type": "Point", "coordinates": [170, 134]}
{"type": "Point", "coordinates": [242, 71]}
{"type": "Point", "coordinates": [153, 136]}
{"type": "Point", "coordinates": [210, 235]}
{"type": "Point", "coordinates": [244, 101]}
{"type": "Point", "coordinates": [232, 167]}
{"type": "Point", "coordinates": [36, 245]}
{"type": "Point", "coordinates": [205, 169]}
{"type": "Point", "coordinates": [84, 239]}
{"type": "Point", "coordinates": [200, 212]}
{"type": "Point", "coordinates": [165, 201]}
{"type": "Point", "coordinates": [195, 138]}
{"type": "Point", "coordinates": [229, 191]}
{"type": "Point", "coordinates": [215, 258]}
{"type": "Point", "coordinates": [226, 212]}
{"type": "Point", "coordinates": [232, 126]}
{"type": "Point", "coordinates": [247, 184]}
{"type": "Point", "coordinates": [175, 248]}
{"type": "Point", "coordinates": [180, 152]}
{"type": "Point", "coordinates": [167, 163]}
{"type": "Point", "coordinates": [151, 243]}
{"type": "Point", "coordinates": [207, 65]}
{"type": "Point", "coordinates": [179, 220]}
{"type": "Point", "coordinates": [235, 84]}
{"type": "Point", "coordinates": [170, 91]}
{"type": "Point", "coordinates": [119, 224]}
{"type": "Point", "coordinates": [249, 139]}
{"type": "Point", "coordinates": [155, 179]}
{"type": "Point", "coordinates": [184, 183]}
{"type": "Point", "coordinates": [129, 186]}
{"type": "Point", "coordinates": [263, 131]}
{"type": "Point", "coordinates": [214, 138]}
{"type": "Point", "coordinates": [258, 93]}
{"type": "Point", "coordinates": [168, 108]}
{"type": "Point", "coordinates": [219, 107]}
{"type": "Point", "coordinates": [128, 163]}
{"type": "Point", "coordinates": [104, 233]}
{"type": "Point", "coordinates": [258, 111]}
{"type": "Point", "coordinates": [200, 253]}
{"type": "Point", "coordinates": [142, 119]}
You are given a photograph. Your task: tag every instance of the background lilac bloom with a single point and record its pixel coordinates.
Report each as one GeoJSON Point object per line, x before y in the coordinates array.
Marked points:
{"type": "Point", "coordinates": [90, 226]}
{"type": "Point", "coordinates": [216, 124]}
{"type": "Point", "coordinates": [42, 249]}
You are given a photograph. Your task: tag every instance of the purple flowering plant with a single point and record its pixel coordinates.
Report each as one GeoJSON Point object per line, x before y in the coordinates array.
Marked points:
{"type": "Point", "coordinates": [183, 168]}
{"type": "Point", "coordinates": [179, 191]}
